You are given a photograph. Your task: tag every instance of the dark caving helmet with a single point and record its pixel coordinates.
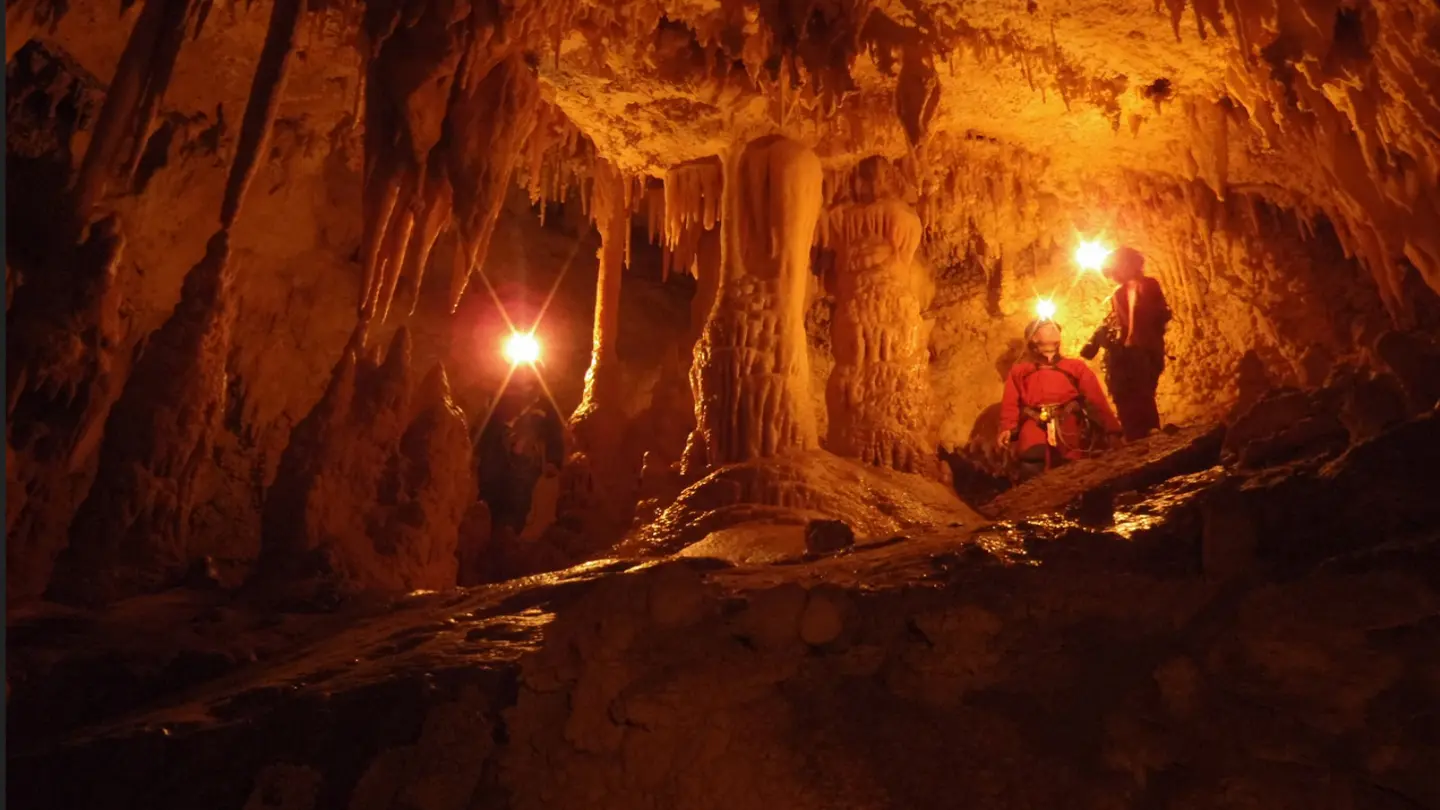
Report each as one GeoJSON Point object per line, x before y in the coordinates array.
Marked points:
{"type": "Point", "coordinates": [1124, 264]}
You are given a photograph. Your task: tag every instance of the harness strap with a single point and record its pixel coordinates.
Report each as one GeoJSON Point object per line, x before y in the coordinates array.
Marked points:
{"type": "Point", "coordinates": [1079, 399]}
{"type": "Point", "coordinates": [1078, 406]}
{"type": "Point", "coordinates": [1038, 415]}
{"type": "Point", "coordinates": [1074, 381]}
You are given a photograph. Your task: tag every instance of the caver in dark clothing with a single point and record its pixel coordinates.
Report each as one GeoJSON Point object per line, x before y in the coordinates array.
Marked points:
{"type": "Point", "coordinates": [1132, 373]}
{"type": "Point", "coordinates": [1133, 336]}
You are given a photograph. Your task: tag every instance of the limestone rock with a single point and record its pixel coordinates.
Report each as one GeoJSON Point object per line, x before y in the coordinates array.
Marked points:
{"type": "Point", "coordinates": [1415, 360]}
{"type": "Point", "coordinates": [65, 369]}
{"type": "Point", "coordinates": [375, 485]}
{"type": "Point", "coordinates": [131, 535]}
{"type": "Point", "coordinates": [787, 492]}
{"type": "Point", "coordinates": [1286, 425]}
{"type": "Point", "coordinates": [823, 619]}
{"type": "Point", "coordinates": [828, 536]}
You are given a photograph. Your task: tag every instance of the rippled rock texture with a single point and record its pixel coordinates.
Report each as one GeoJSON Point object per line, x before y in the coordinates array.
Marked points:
{"type": "Point", "coordinates": [1116, 657]}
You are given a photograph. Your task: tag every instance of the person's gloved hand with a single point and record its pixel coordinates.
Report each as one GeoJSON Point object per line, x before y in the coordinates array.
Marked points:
{"type": "Point", "coordinates": [1090, 350]}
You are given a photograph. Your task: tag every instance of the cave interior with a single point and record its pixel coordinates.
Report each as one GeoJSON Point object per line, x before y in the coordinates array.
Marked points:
{"type": "Point", "coordinates": [469, 404]}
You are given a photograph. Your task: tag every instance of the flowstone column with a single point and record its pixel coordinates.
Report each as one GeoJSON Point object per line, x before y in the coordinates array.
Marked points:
{"type": "Point", "coordinates": [878, 398]}
{"type": "Point", "coordinates": [595, 483]}
{"type": "Point", "coordinates": [751, 372]}
{"type": "Point", "coordinates": [596, 420]}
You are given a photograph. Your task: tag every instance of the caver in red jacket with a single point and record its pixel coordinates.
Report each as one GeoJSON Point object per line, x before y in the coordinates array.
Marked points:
{"type": "Point", "coordinates": [1035, 382]}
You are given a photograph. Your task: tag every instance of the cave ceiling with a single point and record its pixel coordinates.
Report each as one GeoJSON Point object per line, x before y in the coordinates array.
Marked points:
{"type": "Point", "coordinates": [1319, 106]}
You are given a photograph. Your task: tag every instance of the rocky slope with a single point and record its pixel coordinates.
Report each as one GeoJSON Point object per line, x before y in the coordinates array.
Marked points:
{"type": "Point", "coordinates": [1189, 645]}
{"type": "Point", "coordinates": [371, 166]}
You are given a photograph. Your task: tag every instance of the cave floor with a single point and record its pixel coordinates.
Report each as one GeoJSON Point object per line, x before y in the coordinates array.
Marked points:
{"type": "Point", "coordinates": [1129, 658]}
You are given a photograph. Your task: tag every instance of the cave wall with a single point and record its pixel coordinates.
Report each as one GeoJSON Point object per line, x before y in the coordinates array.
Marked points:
{"type": "Point", "coordinates": [1278, 170]}
{"type": "Point", "coordinates": [1242, 275]}
{"type": "Point", "coordinates": [287, 255]}
{"type": "Point", "coordinates": [294, 261]}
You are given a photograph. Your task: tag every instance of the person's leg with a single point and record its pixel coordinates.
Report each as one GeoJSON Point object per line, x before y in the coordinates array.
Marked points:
{"type": "Point", "coordinates": [1119, 378]}
{"type": "Point", "coordinates": [1147, 410]}
{"type": "Point", "coordinates": [1031, 461]}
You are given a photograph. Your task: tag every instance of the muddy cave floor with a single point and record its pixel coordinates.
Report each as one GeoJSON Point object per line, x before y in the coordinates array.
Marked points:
{"type": "Point", "coordinates": [1152, 629]}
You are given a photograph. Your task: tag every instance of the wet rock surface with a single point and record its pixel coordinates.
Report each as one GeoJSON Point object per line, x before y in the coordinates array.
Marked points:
{"type": "Point", "coordinates": [1131, 467]}
{"type": "Point", "coordinates": [782, 495]}
{"type": "Point", "coordinates": [1183, 653]}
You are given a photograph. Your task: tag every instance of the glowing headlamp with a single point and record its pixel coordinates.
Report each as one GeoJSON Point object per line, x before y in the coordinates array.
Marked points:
{"type": "Point", "coordinates": [1091, 255]}
{"type": "Point", "coordinates": [521, 347]}
{"type": "Point", "coordinates": [1044, 309]}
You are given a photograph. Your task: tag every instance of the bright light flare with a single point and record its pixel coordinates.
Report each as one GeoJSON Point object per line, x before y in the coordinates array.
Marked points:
{"type": "Point", "coordinates": [522, 348]}
{"type": "Point", "coordinates": [1091, 255]}
{"type": "Point", "coordinates": [1044, 309]}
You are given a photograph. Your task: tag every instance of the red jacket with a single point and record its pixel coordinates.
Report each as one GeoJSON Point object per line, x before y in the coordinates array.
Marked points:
{"type": "Point", "coordinates": [1034, 382]}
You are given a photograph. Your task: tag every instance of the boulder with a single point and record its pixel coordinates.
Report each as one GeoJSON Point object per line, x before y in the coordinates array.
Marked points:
{"type": "Point", "coordinates": [828, 536]}
{"type": "Point", "coordinates": [1286, 425]}
{"type": "Point", "coordinates": [1415, 360]}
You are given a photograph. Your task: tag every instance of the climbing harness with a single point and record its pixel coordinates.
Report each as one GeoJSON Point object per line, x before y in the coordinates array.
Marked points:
{"type": "Point", "coordinates": [1049, 417]}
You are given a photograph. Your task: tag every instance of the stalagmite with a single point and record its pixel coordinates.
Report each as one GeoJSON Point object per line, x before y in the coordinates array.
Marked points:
{"type": "Point", "coordinates": [131, 534]}
{"type": "Point", "coordinates": [492, 115]}
{"type": "Point", "coordinates": [597, 488]}
{"type": "Point", "coordinates": [707, 285]}
{"type": "Point", "coordinates": [751, 373]}
{"type": "Point", "coordinates": [878, 396]}
{"type": "Point", "coordinates": [396, 454]}
{"type": "Point", "coordinates": [21, 23]}
{"type": "Point", "coordinates": [66, 366]}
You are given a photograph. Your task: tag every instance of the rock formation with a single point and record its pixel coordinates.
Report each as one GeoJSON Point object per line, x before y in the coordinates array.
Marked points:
{"type": "Point", "coordinates": [596, 420]}
{"type": "Point", "coordinates": [751, 375]}
{"type": "Point", "coordinates": [131, 535]}
{"type": "Point", "coordinates": [65, 371]}
{"type": "Point", "coordinates": [878, 396]}
{"type": "Point", "coordinates": [1277, 167]}
{"type": "Point", "coordinates": [218, 214]}
{"type": "Point", "coordinates": [374, 487]}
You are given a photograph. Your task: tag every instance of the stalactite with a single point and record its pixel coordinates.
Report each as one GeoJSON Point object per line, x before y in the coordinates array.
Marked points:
{"type": "Point", "coordinates": [489, 121]}
{"type": "Point", "coordinates": [432, 222]}
{"type": "Point", "coordinates": [140, 81]}
{"type": "Point", "coordinates": [450, 108]}
{"type": "Point", "coordinates": [692, 203]}
{"type": "Point", "coordinates": [412, 59]}
{"type": "Point", "coordinates": [265, 91]}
